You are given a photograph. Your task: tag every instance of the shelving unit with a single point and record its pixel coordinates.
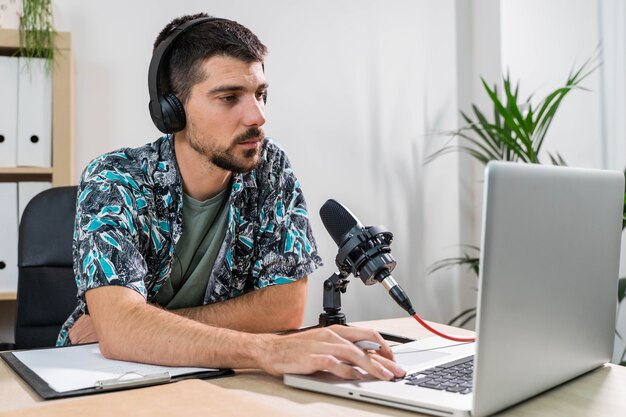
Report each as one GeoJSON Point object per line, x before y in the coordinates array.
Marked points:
{"type": "Point", "coordinates": [62, 170]}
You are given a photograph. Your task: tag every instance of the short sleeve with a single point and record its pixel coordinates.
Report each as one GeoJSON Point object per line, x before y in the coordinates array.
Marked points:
{"type": "Point", "coordinates": [287, 248]}
{"type": "Point", "coordinates": [107, 249]}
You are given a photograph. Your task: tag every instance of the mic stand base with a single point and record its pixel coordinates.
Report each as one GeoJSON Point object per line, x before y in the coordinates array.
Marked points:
{"type": "Point", "coordinates": [333, 288]}
{"type": "Point", "coordinates": [328, 319]}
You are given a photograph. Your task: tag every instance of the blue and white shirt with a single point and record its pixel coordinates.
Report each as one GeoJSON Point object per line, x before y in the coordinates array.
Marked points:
{"type": "Point", "coordinates": [129, 219]}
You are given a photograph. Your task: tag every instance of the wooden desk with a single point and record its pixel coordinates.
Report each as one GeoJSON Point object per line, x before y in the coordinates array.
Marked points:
{"type": "Point", "coordinates": [600, 392]}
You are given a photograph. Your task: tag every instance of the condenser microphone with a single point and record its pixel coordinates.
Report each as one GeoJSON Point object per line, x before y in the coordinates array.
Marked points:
{"type": "Point", "coordinates": [363, 251]}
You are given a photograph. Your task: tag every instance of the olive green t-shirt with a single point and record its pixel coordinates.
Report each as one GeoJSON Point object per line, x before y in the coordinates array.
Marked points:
{"type": "Point", "coordinates": [204, 228]}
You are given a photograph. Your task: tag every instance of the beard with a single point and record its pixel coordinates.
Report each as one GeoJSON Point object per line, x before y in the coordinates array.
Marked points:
{"type": "Point", "coordinates": [231, 159]}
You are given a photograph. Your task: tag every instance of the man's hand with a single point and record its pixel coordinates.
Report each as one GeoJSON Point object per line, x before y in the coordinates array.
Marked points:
{"type": "Point", "coordinates": [129, 329]}
{"type": "Point", "coordinates": [329, 349]}
{"type": "Point", "coordinates": [83, 331]}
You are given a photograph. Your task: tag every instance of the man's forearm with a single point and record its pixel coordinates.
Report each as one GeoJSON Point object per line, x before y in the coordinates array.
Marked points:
{"type": "Point", "coordinates": [271, 309]}
{"type": "Point", "coordinates": [131, 330]}
{"type": "Point", "coordinates": [137, 331]}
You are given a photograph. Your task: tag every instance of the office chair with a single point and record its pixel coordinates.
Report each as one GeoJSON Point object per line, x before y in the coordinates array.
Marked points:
{"type": "Point", "coordinates": [46, 290]}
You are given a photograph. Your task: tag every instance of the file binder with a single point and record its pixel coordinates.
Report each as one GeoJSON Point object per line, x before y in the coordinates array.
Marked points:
{"type": "Point", "coordinates": [8, 111]}
{"type": "Point", "coordinates": [34, 114]}
{"type": "Point", "coordinates": [43, 368]}
{"type": "Point", "coordinates": [8, 243]}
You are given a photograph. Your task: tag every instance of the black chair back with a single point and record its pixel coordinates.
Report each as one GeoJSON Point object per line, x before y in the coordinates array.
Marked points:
{"type": "Point", "coordinates": [46, 290]}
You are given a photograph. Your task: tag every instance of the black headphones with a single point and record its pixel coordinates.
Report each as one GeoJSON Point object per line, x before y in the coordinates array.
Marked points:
{"type": "Point", "coordinates": [166, 110]}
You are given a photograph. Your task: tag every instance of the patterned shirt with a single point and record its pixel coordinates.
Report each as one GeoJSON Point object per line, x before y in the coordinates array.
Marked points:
{"type": "Point", "coordinates": [129, 219]}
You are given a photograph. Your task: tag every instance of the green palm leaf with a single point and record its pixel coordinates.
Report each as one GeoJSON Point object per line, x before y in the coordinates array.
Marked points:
{"type": "Point", "coordinates": [506, 116]}
{"type": "Point", "coordinates": [463, 317]}
{"type": "Point", "coordinates": [468, 260]}
{"type": "Point", "coordinates": [518, 128]}
{"type": "Point", "coordinates": [489, 139]}
{"type": "Point", "coordinates": [516, 133]}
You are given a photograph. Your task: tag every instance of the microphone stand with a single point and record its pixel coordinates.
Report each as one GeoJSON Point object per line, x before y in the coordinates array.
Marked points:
{"type": "Point", "coordinates": [333, 288]}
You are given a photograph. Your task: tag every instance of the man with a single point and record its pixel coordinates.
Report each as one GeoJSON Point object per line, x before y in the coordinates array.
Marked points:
{"type": "Point", "coordinates": [194, 249]}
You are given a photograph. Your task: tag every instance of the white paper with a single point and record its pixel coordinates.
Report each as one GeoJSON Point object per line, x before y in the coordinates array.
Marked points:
{"type": "Point", "coordinates": [77, 367]}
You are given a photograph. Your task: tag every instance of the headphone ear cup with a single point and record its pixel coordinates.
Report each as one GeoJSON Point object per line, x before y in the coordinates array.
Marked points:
{"type": "Point", "coordinates": [174, 118]}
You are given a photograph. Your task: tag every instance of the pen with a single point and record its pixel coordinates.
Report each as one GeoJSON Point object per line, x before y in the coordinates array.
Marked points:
{"type": "Point", "coordinates": [367, 345]}
{"type": "Point", "coordinates": [141, 380]}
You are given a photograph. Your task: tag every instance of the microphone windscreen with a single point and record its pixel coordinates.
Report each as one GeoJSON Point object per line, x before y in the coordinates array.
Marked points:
{"type": "Point", "coordinates": [337, 219]}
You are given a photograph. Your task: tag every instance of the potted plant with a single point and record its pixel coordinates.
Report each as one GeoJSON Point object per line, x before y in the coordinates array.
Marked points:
{"type": "Point", "coordinates": [37, 31]}
{"type": "Point", "coordinates": [516, 132]}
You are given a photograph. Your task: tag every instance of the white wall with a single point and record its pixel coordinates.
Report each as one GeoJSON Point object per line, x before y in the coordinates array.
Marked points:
{"type": "Point", "coordinates": [613, 93]}
{"type": "Point", "coordinates": [358, 88]}
{"type": "Point", "coordinates": [347, 101]}
{"type": "Point", "coordinates": [613, 81]}
{"type": "Point", "coordinates": [613, 85]}
{"type": "Point", "coordinates": [589, 128]}
{"type": "Point", "coordinates": [542, 41]}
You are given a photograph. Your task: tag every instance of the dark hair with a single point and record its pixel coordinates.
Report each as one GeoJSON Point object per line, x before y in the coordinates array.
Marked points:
{"type": "Point", "coordinates": [191, 49]}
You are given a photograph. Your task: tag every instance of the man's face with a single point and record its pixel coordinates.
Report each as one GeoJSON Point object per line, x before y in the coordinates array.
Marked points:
{"type": "Point", "coordinates": [225, 113]}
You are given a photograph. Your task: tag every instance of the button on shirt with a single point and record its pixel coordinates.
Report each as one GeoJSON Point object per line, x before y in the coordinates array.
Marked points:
{"type": "Point", "coordinates": [129, 219]}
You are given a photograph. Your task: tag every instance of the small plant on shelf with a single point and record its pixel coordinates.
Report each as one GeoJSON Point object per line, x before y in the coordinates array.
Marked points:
{"type": "Point", "coordinates": [37, 31]}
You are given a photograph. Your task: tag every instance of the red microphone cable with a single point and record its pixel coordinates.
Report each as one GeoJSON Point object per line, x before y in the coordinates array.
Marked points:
{"type": "Point", "coordinates": [397, 293]}
{"type": "Point", "coordinates": [438, 333]}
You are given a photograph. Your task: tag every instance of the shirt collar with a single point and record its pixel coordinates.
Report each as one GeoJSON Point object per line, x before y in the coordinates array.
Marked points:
{"type": "Point", "coordinates": [240, 182]}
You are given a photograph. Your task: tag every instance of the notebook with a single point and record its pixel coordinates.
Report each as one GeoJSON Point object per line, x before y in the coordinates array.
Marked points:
{"type": "Point", "coordinates": [546, 305]}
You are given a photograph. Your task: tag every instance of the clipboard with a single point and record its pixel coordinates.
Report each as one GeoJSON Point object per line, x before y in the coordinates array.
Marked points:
{"type": "Point", "coordinates": [127, 380]}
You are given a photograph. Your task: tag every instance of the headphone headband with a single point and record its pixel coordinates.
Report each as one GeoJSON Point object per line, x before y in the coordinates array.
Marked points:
{"type": "Point", "coordinates": [166, 110]}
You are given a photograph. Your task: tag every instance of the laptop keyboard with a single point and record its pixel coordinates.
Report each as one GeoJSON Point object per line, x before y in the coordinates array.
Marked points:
{"type": "Point", "coordinates": [455, 376]}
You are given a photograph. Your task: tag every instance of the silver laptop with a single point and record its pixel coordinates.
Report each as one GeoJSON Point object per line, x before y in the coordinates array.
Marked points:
{"type": "Point", "coordinates": [546, 300]}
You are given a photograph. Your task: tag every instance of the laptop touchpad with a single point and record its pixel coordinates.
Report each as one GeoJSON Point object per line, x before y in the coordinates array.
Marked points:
{"type": "Point", "coordinates": [413, 358]}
